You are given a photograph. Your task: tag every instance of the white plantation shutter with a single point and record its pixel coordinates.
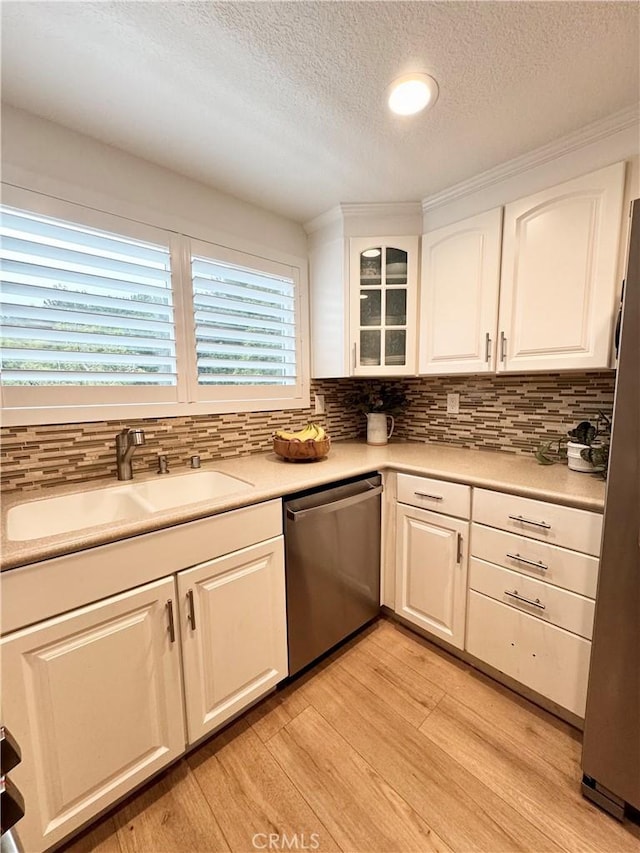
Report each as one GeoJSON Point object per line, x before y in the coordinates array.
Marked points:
{"type": "Point", "coordinates": [246, 339]}
{"type": "Point", "coordinates": [105, 317]}
{"type": "Point", "coordinates": [84, 308]}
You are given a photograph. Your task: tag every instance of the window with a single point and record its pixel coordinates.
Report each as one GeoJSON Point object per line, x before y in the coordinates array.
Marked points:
{"type": "Point", "coordinates": [81, 307]}
{"type": "Point", "coordinates": [103, 324]}
{"type": "Point", "coordinates": [244, 325]}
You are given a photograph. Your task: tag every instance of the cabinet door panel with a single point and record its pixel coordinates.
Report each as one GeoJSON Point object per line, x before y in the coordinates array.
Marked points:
{"type": "Point", "coordinates": [559, 269]}
{"type": "Point", "coordinates": [237, 650]}
{"type": "Point", "coordinates": [431, 572]}
{"type": "Point", "coordinates": [383, 283]}
{"type": "Point", "coordinates": [459, 295]}
{"type": "Point", "coordinates": [94, 699]}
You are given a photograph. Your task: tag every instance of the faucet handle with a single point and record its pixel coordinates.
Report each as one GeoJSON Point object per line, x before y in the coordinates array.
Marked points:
{"type": "Point", "coordinates": [163, 465]}
{"type": "Point", "coordinates": [136, 437]}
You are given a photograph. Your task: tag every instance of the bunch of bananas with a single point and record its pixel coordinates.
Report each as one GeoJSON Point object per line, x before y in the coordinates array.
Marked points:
{"type": "Point", "coordinates": [312, 432]}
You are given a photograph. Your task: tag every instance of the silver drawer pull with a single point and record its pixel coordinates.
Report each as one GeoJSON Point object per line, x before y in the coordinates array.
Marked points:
{"type": "Point", "coordinates": [520, 559]}
{"type": "Point", "coordinates": [535, 603]}
{"type": "Point", "coordinates": [191, 613]}
{"type": "Point", "coordinates": [425, 495]}
{"type": "Point", "coordinates": [171, 628]}
{"type": "Point", "coordinates": [529, 521]}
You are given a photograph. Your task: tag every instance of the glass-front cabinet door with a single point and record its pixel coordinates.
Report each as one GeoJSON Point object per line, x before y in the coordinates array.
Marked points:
{"type": "Point", "coordinates": [383, 277]}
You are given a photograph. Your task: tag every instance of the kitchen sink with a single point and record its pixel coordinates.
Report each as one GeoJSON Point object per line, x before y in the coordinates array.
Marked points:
{"type": "Point", "coordinates": [127, 502]}
{"type": "Point", "coordinates": [179, 489]}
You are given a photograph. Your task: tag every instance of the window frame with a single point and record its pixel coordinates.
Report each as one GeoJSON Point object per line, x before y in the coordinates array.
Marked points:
{"type": "Point", "coordinates": [33, 405]}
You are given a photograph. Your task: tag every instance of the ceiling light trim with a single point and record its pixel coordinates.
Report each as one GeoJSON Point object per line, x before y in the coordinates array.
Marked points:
{"type": "Point", "coordinates": [412, 93]}
{"type": "Point", "coordinates": [594, 132]}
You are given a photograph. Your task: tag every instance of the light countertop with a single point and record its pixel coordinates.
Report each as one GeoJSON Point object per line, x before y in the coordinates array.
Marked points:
{"type": "Point", "coordinates": [272, 477]}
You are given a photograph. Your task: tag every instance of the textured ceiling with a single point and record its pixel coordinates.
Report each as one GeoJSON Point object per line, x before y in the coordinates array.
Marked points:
{"type": "Point", "coordinates": [282, 104]}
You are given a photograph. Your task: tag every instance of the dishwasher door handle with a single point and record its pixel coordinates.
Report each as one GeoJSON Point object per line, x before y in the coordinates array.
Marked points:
{"type": "Point", "coordinates": [334, 505]}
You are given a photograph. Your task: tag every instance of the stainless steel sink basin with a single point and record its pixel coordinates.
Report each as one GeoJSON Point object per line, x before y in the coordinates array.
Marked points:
{"type": "Point", "coordinates": [128, 502]}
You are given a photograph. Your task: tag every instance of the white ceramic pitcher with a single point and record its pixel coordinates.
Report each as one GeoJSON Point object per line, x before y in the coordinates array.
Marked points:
{"type": "Point", "coordinates": [377, 428]}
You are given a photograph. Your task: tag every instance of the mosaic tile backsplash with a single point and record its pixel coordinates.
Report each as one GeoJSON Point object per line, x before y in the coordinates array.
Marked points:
{"type": "Point", "coordinates": [512, 414]}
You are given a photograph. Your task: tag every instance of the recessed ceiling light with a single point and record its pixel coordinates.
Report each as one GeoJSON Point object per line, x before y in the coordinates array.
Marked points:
{"type": "Point", "coordinates": [411, 93]}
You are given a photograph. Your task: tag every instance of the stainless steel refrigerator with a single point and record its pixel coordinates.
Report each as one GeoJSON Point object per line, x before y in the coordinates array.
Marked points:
{"type": "Point", "coordinates": [611, 751]}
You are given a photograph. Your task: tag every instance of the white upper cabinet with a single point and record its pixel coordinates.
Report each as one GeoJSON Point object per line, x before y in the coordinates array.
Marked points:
{"type": "Point", "coordinates": [460, 281]}
{"type": "Point", "coordinates": [559, 275]}
{"type": "Point", "coordinates": [383, 284]}
{"type": "Point", "coordinates": [364, 290]}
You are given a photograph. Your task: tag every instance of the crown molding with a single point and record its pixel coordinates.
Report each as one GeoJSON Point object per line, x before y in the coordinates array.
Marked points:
{"type": "Point", "coordinates": [350, 210]}
{"type": "Point", "coordinates": [594, 132]}
{"type": "Point", "coordinates": [334, 214]}
{"type": "Point", "coordinates": [385, 208]}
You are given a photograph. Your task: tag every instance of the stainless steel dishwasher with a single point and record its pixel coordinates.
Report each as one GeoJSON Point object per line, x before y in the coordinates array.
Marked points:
{"type": "Point", "coordinates": [332, 559]}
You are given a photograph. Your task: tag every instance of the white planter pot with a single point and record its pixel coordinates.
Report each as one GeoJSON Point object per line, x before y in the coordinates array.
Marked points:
{"type": "Point", "coordinates": [575, 460]}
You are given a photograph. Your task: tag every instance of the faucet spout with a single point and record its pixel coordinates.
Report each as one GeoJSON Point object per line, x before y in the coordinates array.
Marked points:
{"type": "Point", "coordinates": [126, 443]}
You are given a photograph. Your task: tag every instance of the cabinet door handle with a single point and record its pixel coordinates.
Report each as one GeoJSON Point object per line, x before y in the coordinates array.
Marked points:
{"type": "Point", "coordinates": [537, 564]}
{"type": "Point", "coordinates": [537, 603]}
{"type": "Point", "coordinates": [529, 521]}
{"type": "Point", "coordinates": [191, 614]}
{"type": "Point", "coordinates": [459, 554]}
{"type": "Point", "coordinates": [503, 347]}
{"type": "Point", "coordinates": [171, 628]}
{"type": "Point", "coordinates": [355, 356]}
{"type": "Point", "coordinates": [432, 497]}
{"type": "Point", "coordinates": [487, 347]}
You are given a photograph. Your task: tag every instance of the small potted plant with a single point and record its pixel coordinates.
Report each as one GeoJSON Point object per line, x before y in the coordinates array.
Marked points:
{"type": "Point", "coordinates": [380, 402]}
{"type": "Point", "coordinates": [586, 450]}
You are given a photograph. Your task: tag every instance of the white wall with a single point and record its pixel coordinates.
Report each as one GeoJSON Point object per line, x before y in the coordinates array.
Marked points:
{"type": "Point", "coordinates": [48, 158]}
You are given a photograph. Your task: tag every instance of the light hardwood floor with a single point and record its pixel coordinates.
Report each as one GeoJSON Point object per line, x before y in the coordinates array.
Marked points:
{"type": "Point", "coordinates": [389, 745]}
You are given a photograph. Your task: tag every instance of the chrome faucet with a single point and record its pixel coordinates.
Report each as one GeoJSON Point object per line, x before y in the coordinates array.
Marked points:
{"type": "Point", "coordinates": [126, 443]}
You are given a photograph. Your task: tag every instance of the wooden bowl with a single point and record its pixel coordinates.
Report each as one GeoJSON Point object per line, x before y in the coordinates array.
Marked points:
{"type": "Point", "coordinates": [295, 450]}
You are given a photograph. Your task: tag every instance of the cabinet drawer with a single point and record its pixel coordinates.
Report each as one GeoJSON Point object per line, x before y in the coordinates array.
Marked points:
{"type": "Point", "coordinates": [551, 604]}
{"type": "Point", "coordinates": [572, 528]}
{"type": "Point", "coordinates": [545, 658]}
{"type": "Point", "coordinates": [436, 495]}
{"type": "Point", "coordinates": [559, 566]}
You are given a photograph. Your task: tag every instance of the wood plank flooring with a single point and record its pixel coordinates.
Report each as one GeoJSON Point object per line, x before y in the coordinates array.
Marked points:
{"type": "Point", "coordinates": [389, 745]}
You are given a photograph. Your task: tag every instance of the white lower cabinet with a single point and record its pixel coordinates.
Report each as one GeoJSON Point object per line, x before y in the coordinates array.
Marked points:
{"type": "Point", "coordinates": [233, 627]}
{"type": "Point", "coordinates": [532, 581]}
{"type": "Point", "coordinates": [94, 692]}
{"type": "Point", "coordinates": [549, 660]}
{"type": "Point", "coordinates": [431, 569]}
{"type": "Point", "coordinates": [94, 699]}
